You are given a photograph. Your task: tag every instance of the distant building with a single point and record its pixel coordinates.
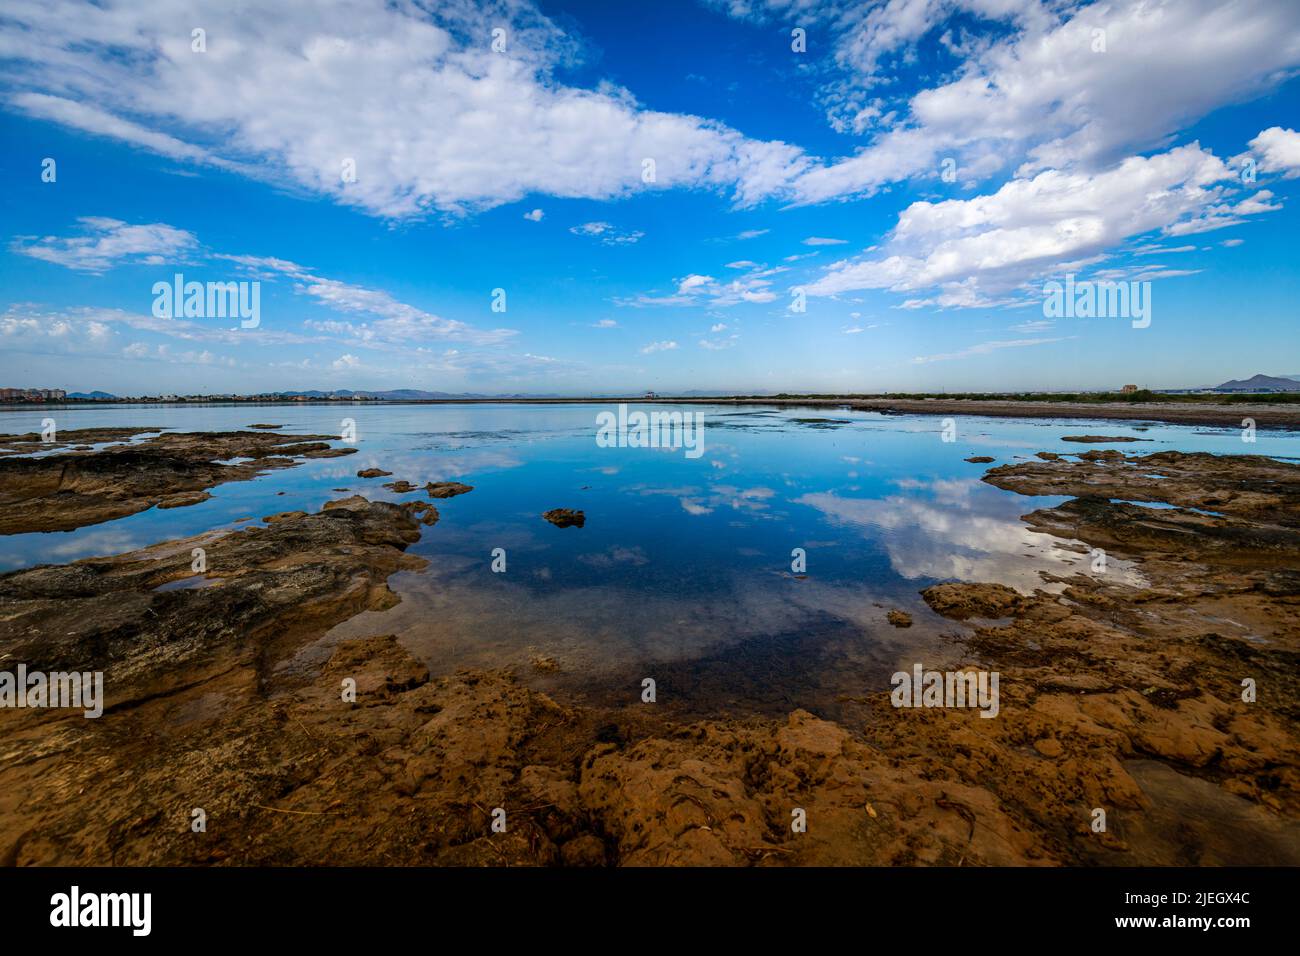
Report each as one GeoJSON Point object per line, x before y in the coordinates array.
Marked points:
{"type": "Point", "coordinates": [1129, 389]}
{"type": "Point", "coordinates": [32, 395]}
{"type": "Point", "coordinates": [651, 395]}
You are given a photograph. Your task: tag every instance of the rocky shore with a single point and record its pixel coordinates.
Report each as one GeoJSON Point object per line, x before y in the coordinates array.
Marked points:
{"type": "Point", "coordinates": [1117, 698]}
{"type": "Point", "coordinates": [72, 485]}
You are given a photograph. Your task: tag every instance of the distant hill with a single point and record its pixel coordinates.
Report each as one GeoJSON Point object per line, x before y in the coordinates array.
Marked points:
{"type": "Point", "coordinates": [92, 396]}
{"type": "Point", "coordinates": [1260, 383]}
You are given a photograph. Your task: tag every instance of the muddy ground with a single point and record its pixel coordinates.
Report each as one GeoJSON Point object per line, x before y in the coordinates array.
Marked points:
{"type": "Point", "coordinates": [1113, 698]}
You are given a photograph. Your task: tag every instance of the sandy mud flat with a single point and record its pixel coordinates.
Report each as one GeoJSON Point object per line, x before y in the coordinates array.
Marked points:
{"type": "Point", "coordinates": [1113, 697]}
{"type": "Point", "coordinates": [1223, 415]}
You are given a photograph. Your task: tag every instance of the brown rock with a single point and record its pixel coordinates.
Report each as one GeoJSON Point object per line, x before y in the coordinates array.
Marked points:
{"type": "Point", "coordinates": [565, 517]}
{"type": "Point", "coordinates": [1092, 439]}
{"type": "Point", "coordinates": [1048, 746]}
{"type": "Point", "coordinates": [447, 489]}
{"type": "Point", "coordinates": [962, 601]}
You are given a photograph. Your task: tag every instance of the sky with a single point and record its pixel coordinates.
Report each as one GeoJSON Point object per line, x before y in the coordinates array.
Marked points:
{"type": "Point", "coordinates": [607, 198]}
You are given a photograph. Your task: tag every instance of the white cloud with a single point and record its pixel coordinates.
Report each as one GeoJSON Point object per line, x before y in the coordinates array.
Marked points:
{"type": "Point", "coordinates": [140, 351]}
{"type": "Point", "coordinates": [1222, 215]}
{"type": "Point", "coordinates": [606, 233]}
{"type": "Point", "coordinates": [111, 242]}
{"type": "Point", "coordinates": [604, 324]}
{"type": "Point", "coordinates": [1155, 249]}
{"type": "Point", "coordinates": [1037, 92]}
{"type": "Point", "coordinates": [534, 216]}
{"type": "Point", "coordinates": [316, 88]}
{"type": "Point", "coordinates": [1033, 326]}
{"type": "Point", "coordinates": [346, 361]}
{"type": "Point", "coordinates": [409, 94]}
{"type": "Point", "coordinates": [975, 252]}
{"type": "Point", "coordinates": [665, 346]}
{"type": "Point", "coordinates": [390, 321]}
{"type": "Point", "coordinates": [1279, 151]}
{"type": "Point", "coordinates": [25, 329]}
{"type": "Point", "coordinates": [820, 241]}
{"type": "Point", "coordinates": [984, 348]}
{"type": "Point", "coordinates": [695, 289]}
{"type": "Point", "coordinates": [91, 119]}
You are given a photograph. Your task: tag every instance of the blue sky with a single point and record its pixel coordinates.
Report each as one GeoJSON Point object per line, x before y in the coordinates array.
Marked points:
{"type": "Point", "coordinates": [1126, 141]}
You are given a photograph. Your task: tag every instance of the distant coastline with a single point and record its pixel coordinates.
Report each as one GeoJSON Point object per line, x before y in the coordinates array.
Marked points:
{"type": "Point", "coordinates": [1268, 410]}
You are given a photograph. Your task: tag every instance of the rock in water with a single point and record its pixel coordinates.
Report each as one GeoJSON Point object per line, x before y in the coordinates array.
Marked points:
{"type": "Point", "coordinates": [565, 517]}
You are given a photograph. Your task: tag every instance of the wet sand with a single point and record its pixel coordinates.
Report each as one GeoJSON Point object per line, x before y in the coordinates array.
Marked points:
{"type": "Point", "coordinates": [1114, 697]}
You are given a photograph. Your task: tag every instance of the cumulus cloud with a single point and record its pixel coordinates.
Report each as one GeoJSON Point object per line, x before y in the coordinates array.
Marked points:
{"type": "Point", "coordinates": [24, 328]}
{"type": "Point", "coordinates": [753, 286]}
{"type": "Point", "coordinates": [406, 95]}
{"type": "Point", "coordinates": [1279, 151]}
{"type": "Point", "coordinates": [973, 252]}
{"type": "Point", "coordinates": [1038, 93]}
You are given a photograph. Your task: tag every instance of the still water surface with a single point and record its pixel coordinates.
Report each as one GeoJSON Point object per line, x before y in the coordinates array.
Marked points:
{"type": "Point", "coordinates": [683, 569]}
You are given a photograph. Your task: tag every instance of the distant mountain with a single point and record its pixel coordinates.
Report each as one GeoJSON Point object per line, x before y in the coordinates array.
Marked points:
{"type": "Point", "coordinates": [92, 396]}
{"type": "Point", "coordinates": [1260, 383]}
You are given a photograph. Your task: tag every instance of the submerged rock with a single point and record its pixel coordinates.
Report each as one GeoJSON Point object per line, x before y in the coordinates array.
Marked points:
{"type": "Point", "coordinates": [565, 517]}
{"type": "Point", "coordinates": [373, 473]}
{"type": "Point", "coordinates": [447, 489]}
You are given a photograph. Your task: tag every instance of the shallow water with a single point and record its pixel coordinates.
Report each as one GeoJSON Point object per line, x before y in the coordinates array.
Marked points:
{"type": "Point", "coordinates": [684, 566]}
